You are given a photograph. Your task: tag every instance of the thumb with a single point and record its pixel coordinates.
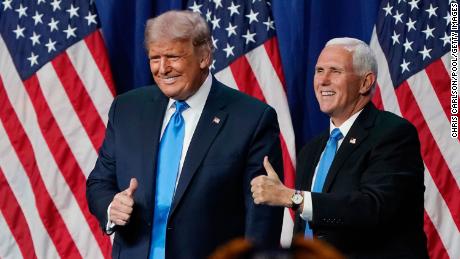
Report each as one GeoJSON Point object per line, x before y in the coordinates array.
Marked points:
{"type": "Point", "coordinates": [270, 171]}
{"type": "Point", "coordinates": [132, 187]}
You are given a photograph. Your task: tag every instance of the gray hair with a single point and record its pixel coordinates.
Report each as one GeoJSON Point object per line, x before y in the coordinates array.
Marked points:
{"type": "Point", "coordinates": [364, 60]}
{"type": "Point", "coordinates": [178, 25]}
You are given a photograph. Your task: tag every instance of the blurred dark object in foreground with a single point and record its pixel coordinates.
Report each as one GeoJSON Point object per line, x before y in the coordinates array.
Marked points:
{"type": "Point", "coordinates": [300, 248]}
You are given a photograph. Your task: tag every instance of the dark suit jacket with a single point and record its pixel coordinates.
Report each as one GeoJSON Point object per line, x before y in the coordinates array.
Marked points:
{"type": "Point", "coordinates": [213, 202]}
{"type": "Point", "coordinates": [372, 201]}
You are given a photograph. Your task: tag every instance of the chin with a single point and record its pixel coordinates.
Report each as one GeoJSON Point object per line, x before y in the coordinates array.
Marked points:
{"type": "Point", "coordinates": [327, 110]}
{"type": "Point", "coordinates": [169, 94]}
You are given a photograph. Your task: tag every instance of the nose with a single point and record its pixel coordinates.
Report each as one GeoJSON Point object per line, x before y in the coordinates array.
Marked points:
{"type": "Point", "coordinates": [324, 78]}
{"type": "Point", "coordinates": [164, 65]}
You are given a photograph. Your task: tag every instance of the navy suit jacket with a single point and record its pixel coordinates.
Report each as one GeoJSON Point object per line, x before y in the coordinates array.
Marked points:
{"type": "Point", "coordinates": [213, 202]}
{"type": "Point", "coordinates": [372, 200]}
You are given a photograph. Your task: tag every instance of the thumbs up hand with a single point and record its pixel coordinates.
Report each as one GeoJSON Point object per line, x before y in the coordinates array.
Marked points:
{"type": "Point", "coordinates": [122, 204]}
{"type": "Point", "coordinates": [268, 189]}
{"type": "Point", "coordinates": [270, 171]}
{"type": "Point", "coordinates": [132, 187]}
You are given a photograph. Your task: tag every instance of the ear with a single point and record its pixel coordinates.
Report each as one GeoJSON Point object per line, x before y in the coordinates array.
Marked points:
{"type": "Point", "coordinates": [205, 60]}
{"type": "Point", "coordinates": [367, 82]}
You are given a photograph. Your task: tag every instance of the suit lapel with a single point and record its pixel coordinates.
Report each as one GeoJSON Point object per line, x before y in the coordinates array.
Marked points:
{"type": "Point", "coordinates": [151, 122]}
{"type": "Point", "coordinates": [211, 121]}
{"type": "Point", "coordinates": [357, 134]}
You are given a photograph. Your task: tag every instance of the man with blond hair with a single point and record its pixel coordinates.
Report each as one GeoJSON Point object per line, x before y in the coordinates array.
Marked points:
{"type": "Point", "coordinates": [173, 175]}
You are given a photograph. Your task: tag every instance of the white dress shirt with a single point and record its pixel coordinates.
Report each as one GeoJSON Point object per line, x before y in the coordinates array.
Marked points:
{"type": "Point", "coordinates": [307, 212]}
{"type": "Point", "coordinates": [191, 117]}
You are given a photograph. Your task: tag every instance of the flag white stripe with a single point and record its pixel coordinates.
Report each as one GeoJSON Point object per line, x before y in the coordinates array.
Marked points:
{"type": "Point", "coordinates": [288, 229]}
{"type": "Point", "coordinates": [8, 246]}
{"type": "Point", "coordinates": [436, 120]}
{"type": "Point", "coordinates": [22, 190]}
{"type": "Point", "coordinates": [226, 77]}
{"type": "Point", "coordinates": [65, 116]}
{"type": "Point", "coordinates": [56, 185]}
{"type": "Point", "coordinates": [446, 61]}
{"type": "Point", "coordinates": [273, 91]}
{"type": "Point", "coordinates": [389, 99]}
{"type": "Point", "coordinates": [92, 78]}
{"type": "Point", "coordinates": [441, 217]}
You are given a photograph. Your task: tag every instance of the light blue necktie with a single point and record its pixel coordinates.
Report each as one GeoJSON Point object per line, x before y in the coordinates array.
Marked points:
{"type": "Point", "coordinates": [168, 161]}
{"type": "Point", "coordinates": [323, 168]}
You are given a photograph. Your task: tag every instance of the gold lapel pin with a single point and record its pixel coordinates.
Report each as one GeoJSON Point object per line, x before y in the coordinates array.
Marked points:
{"type": "Point", "coordinates": [352, 141]}
{"type": "Point", "coordinates": [216, 120]}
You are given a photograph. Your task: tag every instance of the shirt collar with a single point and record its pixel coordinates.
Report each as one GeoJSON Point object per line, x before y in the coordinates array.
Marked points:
{"type": "Point", "coordinates": [346, 126]}
{"type": "Point", "coordinates": [198, 99]}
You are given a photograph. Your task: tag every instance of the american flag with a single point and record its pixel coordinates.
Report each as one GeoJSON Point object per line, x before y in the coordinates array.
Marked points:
{"type": "Point", "coordinates": [246, 57]}
{"type": "Point", "coordinates": [412, 42]}
{"type": "Point", "coordinates": [55, 92]}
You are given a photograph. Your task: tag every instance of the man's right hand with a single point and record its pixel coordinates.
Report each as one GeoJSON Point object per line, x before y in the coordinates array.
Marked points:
{"type": "Point", "coordinates": [122, 204]}
{"type": "Point", "coordinates": [268, 189]}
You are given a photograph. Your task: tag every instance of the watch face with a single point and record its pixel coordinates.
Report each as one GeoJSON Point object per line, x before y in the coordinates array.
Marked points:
{"type": "Point", "coordinates": [297, 198]}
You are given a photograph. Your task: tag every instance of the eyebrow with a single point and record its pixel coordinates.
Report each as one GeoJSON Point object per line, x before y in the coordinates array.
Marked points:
{"type": "Point", "coordinates": [333, 67]}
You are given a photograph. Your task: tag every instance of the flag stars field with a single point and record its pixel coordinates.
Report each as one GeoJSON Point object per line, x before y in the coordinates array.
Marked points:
{"type": "Point", "coordinates": [55, 91]}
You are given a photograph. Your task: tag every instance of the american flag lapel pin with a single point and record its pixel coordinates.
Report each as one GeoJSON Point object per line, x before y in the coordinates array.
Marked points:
{"type": "Point", "coordinates": [216, 120]}
{"type": "Point", "coordinates": [352, 141]}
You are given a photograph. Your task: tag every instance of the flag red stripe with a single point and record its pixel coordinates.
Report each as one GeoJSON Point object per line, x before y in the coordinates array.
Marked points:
{"type": "Point", "coordinates": [440, 81]}
{"type": "Point", "coordinates": [431, 154]}
{"type": "Point", "coordinates": [271, 46]}
{"type": "Point", "coordinates": [435, 246]}
{"type": "Point", "coordinates": [64, 158]}
{"type": "Point", "coordinates": [289, 171]}
{"type": "Point", "coordinates": [80, 99]}
{"type": "Point", "coordinates": [377, 98]}
{"type": "Point", "coordinates": [97, 48]}
{"type": "Point", "coordinates": [245, 78]}
{"type": "Point", "coordinates": [15, 219]}
{"type": "Point", "coordinates": [49, 214]}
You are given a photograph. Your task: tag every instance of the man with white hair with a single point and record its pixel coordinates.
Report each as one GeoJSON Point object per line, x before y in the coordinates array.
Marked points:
{"type": "Point", "coordinates": [173, 175]}
{"type": "Point", "coordinates": [359, 185]}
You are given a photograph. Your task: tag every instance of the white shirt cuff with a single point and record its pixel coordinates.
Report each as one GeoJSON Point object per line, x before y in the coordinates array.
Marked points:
{"type": "Point", "coordinates": [307, 212]}
{"type": "Point", "coordinates": [110, 225]}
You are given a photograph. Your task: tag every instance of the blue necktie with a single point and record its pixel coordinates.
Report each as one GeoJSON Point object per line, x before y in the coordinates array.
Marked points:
{"type": "Point", "coordinates": [323, 167]}
{"type": "Point", "coordinates": [168, 161]}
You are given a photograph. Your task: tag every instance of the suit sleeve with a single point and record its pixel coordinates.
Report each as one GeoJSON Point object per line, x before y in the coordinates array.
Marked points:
{"type": "Point", "coordinates": [389, 185]}
{"type": "Point", "coordinates": [101, 185]}
{"type": "Point", "coordinates": [263, 222]}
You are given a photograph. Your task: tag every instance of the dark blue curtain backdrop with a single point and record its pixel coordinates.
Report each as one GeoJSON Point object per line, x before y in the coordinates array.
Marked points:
{"type": "Point", "coordinates": [303, 27]}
